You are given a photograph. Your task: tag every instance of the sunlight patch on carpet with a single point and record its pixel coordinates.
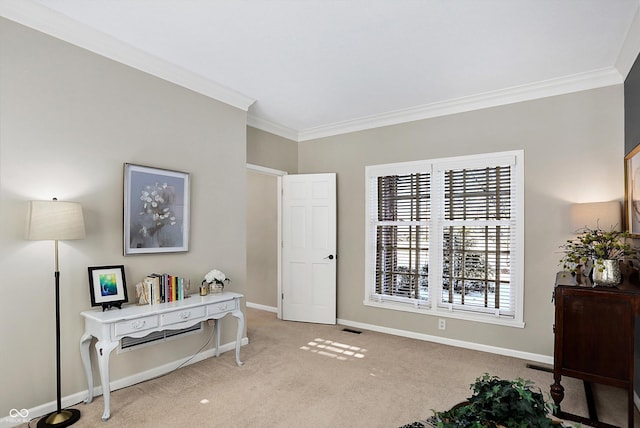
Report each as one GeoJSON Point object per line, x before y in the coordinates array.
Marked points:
{"type": "Point", "coordinates": [331, 349]}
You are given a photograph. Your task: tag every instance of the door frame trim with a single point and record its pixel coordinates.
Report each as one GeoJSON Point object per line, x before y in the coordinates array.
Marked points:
{"type": "Point", "coordinates": [278, 174]}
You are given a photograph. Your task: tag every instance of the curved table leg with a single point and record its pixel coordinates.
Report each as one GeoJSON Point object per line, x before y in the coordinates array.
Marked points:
{"type": "Point", "coordinates": [217, 333]}
{"type": "Point", "coordinates": [85, 341]}
{"type": "Point", "coordinates": [240, 316]}
{"type": "Point", "coordinates": [104, 349]}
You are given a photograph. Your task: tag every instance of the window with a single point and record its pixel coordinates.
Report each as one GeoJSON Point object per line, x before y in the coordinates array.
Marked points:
{"type": "Point", "coordinates": [445, 237]}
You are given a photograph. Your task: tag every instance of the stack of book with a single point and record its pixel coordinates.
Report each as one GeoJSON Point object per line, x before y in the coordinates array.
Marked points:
{"type": "Point", "coordinates": [163, 288]}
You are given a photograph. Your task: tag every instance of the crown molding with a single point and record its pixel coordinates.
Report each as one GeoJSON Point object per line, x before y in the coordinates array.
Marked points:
{"type": "Point", "coordinates": [575, 83]}
{"type": "Point", "coordinates": [272, 127]}
{"type": "Point", "coordinates": [57, 25]}
{"type": "Point", "coordinates": [630, 47]}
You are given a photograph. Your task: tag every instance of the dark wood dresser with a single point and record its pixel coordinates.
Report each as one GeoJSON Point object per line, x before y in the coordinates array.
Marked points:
{"type": "Point", "coordinates": [594, 340]}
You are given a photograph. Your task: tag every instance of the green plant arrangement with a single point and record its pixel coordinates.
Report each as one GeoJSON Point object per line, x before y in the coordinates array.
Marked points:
{"type": "Point", "coordinates": [499, 403]}
{"type": "Point", "coordinates": [594, 246]}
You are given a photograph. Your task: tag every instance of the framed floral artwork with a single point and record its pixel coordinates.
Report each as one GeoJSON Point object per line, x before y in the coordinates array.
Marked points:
{"type": "Point", "coordinates": [156, 210]}
{"type": "Point", "coordinates": [108, 286]}
{"type": "Point", "coordinates": [632, 191]}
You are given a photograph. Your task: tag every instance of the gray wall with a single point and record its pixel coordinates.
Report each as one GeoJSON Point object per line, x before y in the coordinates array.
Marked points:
{"type": "Point", "coordinates": [275, 152]}
{"type": "Point", "coordinates": [69, 119]}
{"type": "Point", "coordinates": [631, 140]}
{"type": "Point", "coordinates": [262, 243]}
{"type": "Point", "coordinates": [632, 108]}
{"type": "Point", "coordinates": [271, 151]}
{"type": "Point", "coordinates": [573, 148]}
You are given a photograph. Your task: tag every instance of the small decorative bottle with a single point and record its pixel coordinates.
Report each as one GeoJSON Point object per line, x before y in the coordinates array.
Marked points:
{"type": "Point", "coordinates": [204, 288]}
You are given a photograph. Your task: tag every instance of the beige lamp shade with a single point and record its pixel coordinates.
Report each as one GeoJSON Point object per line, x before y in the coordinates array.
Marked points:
{"type": "Point", "coordinates": [596, 215]}
{"type": "Point", "coordinates": [54, 220]}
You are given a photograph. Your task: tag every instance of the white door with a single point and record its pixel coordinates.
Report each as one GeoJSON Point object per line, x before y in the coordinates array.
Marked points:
{"type": "Point", "coordinates": [309, 248]}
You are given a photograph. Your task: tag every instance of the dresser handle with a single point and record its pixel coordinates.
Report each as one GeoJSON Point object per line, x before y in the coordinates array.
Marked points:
{"type": "Point", "coordinates": [222, 307]}
{"type": "Point", "coordinates": [185, 315]}
{"type": "Point", "coordinates": [138, 324]}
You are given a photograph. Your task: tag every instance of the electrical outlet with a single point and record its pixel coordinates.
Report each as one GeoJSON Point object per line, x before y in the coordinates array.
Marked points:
{"type": "Point", "coordinates": [442, 324]}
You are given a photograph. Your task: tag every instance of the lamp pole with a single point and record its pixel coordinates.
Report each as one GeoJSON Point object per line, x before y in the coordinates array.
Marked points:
{"type": "Point", "coordinates": [56, 274]}
{"type": "Point", "coordinates": [60, 418]}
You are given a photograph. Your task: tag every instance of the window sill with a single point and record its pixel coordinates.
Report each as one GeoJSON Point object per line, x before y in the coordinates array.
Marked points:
{"type": "Point", "coordinates": [445, 313]}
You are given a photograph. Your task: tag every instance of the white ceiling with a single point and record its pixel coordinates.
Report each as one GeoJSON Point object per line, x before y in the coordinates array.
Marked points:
{"type": "Point", "coordinates": [323, 67]}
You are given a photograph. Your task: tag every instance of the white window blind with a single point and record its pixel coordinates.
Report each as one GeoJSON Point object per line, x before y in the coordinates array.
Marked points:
{"type": "Point", "coordinates": [476, 239]}
{"type": "Point", "coordinates": [402, 251]}
{"type": "Point", "coordinates": [443, 235]}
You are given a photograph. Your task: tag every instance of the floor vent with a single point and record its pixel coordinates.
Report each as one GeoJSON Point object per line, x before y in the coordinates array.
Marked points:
{"type": "Point", "coordinates": [348, 330]}
{"type": "Point", "coordinates": [128, 343]}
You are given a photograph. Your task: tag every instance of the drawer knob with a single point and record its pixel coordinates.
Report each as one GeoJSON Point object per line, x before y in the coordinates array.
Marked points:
{"type": "Point", "coordinates": [138, 324]}
{"type": "Point", "coordinates": [222, 307]}
{"type": "Point", "coordinates": [186, 314]}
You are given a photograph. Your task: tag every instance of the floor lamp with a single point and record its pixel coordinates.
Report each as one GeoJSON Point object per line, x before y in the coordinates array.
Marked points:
{"type": "Point", "coordinates": [55, 220]}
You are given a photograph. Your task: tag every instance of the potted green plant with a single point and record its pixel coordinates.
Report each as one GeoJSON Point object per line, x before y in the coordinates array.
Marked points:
{"type": "Point", "coordinates": [499, 403]}
{"type": "Point", "coordinates": [598, 250]}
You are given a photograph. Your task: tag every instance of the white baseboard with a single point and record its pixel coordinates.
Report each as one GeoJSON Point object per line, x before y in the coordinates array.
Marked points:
{"type": "Point", "coordinates": [547, 359]}
{"type": "Point", "coordinates": [79, 397]}
{"type": "Point", "coordinates": [262, 307]}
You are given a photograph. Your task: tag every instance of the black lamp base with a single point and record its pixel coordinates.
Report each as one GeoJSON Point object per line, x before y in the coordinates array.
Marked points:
{"type": "Point", "coordinates": [61, 419]}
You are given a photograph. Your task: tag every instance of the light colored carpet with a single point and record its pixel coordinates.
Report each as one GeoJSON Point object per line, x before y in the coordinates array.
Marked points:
{"type": "Point", "coordinates": [309, 375]}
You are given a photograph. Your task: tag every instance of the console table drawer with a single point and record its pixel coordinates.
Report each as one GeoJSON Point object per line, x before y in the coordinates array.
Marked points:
{"type": "Point", "coordinates": [222, 307]}
{"type": "Point", "coordinates": [183, 315]}
{"type": "Point", "coordinates": [123, 328]}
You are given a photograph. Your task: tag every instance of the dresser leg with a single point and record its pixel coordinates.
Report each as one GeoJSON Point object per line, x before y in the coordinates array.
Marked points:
{"type": "Point", "coordinates": [630, 405]}
{"type": "Point", "coordinates": [591, 404]}
{"type": "Point", "coordinates": [557, 393]}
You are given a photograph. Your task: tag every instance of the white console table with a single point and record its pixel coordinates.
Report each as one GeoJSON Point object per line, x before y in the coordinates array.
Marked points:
{"type": "Point", "coordinates": [138, 321]}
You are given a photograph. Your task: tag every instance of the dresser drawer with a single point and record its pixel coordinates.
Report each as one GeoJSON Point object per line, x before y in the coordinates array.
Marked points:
{"type": "Point", "coordinates": [122, 328]}
{"type": "Point", "coordinates": [183, 315]}
{"type": "Point", "coordinates": [221, 307]}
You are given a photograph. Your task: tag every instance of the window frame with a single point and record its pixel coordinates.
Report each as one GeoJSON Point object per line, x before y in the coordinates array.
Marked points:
{"type": "Point", "coordinates": [432, 306]}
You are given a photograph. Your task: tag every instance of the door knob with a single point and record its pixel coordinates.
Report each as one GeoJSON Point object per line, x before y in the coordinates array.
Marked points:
{"type": "Point", "coordinates": [330, 257]}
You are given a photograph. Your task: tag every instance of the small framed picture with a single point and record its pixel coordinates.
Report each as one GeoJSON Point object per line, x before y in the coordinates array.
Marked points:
{"type": "Point", "coordinates": [632, 191]}
{"type": "Point", "coordinates": [156, 210]}
{"type": "Point", "coordinates": [108, 286]}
